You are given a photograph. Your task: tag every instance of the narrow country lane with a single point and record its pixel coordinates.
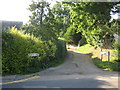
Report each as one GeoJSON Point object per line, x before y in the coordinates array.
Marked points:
{"type": "Point", "coordinates": [78, 71]}
{"type": "Point", "coordinates": [76, 64]}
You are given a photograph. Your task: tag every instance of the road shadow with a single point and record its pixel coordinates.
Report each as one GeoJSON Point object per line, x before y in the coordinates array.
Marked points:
{"type": "Point", "coordinates": [72, 82]}
{"type": "Point", "coordinates": [66, 83]}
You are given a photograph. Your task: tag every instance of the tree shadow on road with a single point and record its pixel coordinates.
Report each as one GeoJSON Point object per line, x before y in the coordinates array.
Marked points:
{"type": "Point", "coordinates": [63, 83]}
{"type": "Point", "coordinates": [68, 81]}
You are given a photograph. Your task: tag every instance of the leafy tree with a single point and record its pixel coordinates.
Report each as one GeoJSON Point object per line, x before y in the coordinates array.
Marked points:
{"type": "Point", "coordinates": [41, 22]}
{"type": "Point", "coordinates": [71, 35]}
{"type": "Point", "coordinates": [62, 17]}
{"type": "Point", "coordinates": [46, 22]}
{"type": "Point", "coordinates": [92, 20]}
{"type": "Point", "coordinates": [114, 19]}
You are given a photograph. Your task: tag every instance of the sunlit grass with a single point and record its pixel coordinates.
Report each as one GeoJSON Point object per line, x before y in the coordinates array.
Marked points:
{"type": "Point", "coordinates": [95, 55]}
{"type": "Point", "coordinates": [86, 49]}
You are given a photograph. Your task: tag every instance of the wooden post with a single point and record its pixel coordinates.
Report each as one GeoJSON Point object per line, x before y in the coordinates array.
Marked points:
{"type": "Point", "coordinates": [108, 57]}
{"type": "Point", "coordinates": [101, 56]}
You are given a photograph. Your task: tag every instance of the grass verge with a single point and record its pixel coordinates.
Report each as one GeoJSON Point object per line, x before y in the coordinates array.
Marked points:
{"type": "Point", "coordinates": [95, 55]}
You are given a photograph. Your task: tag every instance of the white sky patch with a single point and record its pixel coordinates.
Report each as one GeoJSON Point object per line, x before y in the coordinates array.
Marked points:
{"type": "Point", "coordinates": [116, 16]}
{"type": "Point", "coordinates": [114, 13]}
{"type": "Point", "coordinates": [16, 10]}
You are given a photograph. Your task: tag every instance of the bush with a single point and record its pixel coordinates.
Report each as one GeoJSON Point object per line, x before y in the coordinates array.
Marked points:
{"type": "Point", "coordinates": [17, 46]}
{"type": "Point", "coordinates": [61, 49]}
{"type": "Point", "coordinates": [117, 50]}
{"type": "Point", "coordinates": [71, 36]}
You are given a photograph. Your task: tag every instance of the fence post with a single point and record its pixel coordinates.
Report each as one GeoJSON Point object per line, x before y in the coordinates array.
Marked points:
{"type": "Point", "coordinates": [101, 56]}
{"type": "Point", "coordinates": [108, 57]}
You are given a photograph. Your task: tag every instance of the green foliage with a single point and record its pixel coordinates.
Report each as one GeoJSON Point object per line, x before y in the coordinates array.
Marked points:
{"type": "Point", "coordinates": [71, 35]}
{"type": "Point", "coordinates": [62, 17]}
{"type": "Point", "coordinates": [89, 50]}
{"type": "Point", "coordinates": [86, 49]}
{"type": "Point", "coordinates": [47, 25]}
{"type": "Point", "coordinates": [112, 66]}
{"type": "Point", "coordinates": [117, 50]}
{"type": "Point", "coordinates": [91, 19]}
{"type": "Point", "coordinates": [61, 49]}
{"type": "Point", "coordinates": [115, 27]}
{"type": "Point", "coordinates": [42, 22]}
{"type": "Point", "coordinates": [17, 46]}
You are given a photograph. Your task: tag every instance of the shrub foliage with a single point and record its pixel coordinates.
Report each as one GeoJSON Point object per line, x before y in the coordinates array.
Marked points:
{"type": "Point", "coordinates": [16, 47]}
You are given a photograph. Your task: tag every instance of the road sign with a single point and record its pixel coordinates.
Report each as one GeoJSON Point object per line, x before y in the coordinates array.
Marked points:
{"type": "Point", "coordinates": [33, 54]}
{"type": "Point", "coordinates": [105, 53]}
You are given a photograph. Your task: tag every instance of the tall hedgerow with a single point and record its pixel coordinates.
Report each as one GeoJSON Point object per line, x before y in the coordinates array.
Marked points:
{"type": "Point", "coordinates": [16, 47]}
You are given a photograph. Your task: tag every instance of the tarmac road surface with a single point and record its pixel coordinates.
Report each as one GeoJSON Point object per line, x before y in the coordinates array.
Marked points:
{"type": "Point", "coordinates": [78, 71]}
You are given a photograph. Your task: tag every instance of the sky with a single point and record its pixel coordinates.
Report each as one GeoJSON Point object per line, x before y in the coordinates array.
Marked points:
{"type": "Point", "coordinates": [15, 10]}
{"type": "Point", "coordinates": [115, 15]}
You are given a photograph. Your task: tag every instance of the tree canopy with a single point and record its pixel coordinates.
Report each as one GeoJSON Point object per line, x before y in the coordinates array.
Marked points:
{"type": "Point", "coordinates": [71, 20]}
{"type": "Point", "coordinates": [92, 20]}
{"type": "Point", "coordinates": [42, 21]}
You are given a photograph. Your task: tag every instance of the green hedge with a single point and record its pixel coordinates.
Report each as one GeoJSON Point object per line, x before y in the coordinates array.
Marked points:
{"type": "Point", "coordinates": [117, 50]}
{"type": "Point", "coordinates": [16, 45]}
{"type": "Point", "coordinates": [61, 49]}
{"type": "Point", "coordinates": [50, 61]}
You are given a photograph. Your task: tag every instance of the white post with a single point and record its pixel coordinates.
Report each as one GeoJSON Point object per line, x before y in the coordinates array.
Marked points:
{"type": "Point", "coordinates": [79, 44]}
